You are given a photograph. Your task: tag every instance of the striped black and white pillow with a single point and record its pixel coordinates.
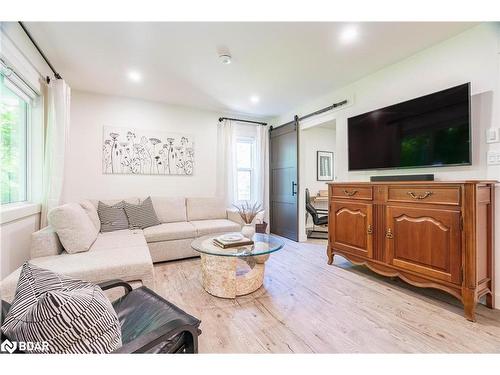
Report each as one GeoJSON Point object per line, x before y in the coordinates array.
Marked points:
{"type": "Point", "coordinates": [61, 314]}
{"type": "Point", "coordinates": [142, 215]}
{"type": "Point", "coordinates": [112, 217]}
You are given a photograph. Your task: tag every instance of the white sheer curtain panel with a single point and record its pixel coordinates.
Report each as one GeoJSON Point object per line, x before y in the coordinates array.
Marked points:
{"type": "Point", "coordinates": [262, 180]}
{"type": "Point", "coordinates": [56, 138]}
{"type": "Point", "coordinates": [225, 185]}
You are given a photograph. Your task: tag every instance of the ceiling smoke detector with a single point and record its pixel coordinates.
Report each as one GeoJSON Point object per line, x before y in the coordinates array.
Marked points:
{"type": "Point", "coordinates": [225, 59]}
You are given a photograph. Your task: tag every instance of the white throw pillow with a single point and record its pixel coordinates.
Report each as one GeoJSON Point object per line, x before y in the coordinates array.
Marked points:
{"type": "Point", "coordinates": [92, 212]}
{"type": "Point", "coordinates": [74, 227]}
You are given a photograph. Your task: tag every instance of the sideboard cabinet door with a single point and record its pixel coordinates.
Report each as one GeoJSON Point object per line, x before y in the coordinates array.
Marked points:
{"type": "Point", "coordinates": [426, 241]}
{"type": "Point", "coordinates": [351, 227]}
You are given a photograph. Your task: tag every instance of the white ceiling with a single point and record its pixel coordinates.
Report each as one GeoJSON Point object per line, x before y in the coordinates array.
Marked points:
{"type": "Point", "coordinates": [285, 64]}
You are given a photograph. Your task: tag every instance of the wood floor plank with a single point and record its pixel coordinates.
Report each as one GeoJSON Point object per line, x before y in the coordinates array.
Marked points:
{"type": "Point", "coordinates": [308, 306]}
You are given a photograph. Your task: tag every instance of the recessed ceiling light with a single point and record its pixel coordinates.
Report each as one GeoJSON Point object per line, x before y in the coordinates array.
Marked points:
{"type": "Point", "coordinates": [134, 76]}
{"type": "Point", "coordinates": [349, 34]}
{"type": "Point", "coordinates": [225, 59]}
{"type": "Point", "coordinates": [254, 99]}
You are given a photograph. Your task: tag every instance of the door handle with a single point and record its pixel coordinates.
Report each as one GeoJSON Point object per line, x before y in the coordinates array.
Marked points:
{"type": "Point", "coordinates": [389, 234]}
{"type": "Point", "coordinates": [369, 230]}
{"type": "Point", "coordinates": [294, 192]}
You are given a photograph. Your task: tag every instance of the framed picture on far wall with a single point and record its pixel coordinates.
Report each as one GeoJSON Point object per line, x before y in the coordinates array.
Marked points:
{"type": "Point", "coordinates": [324, 160]}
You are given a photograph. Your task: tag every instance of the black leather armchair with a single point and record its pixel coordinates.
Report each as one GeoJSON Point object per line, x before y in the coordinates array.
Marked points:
{"type": "Point", "coordinates": [319, 218]}
{"type": "Point", "coordinates": [149, 323]}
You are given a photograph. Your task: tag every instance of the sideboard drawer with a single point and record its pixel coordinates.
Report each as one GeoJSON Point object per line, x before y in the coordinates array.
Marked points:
{"type": "Point", "coordinates": [425, 194]}
{"type": "Point", "coordinates": [352, 192]}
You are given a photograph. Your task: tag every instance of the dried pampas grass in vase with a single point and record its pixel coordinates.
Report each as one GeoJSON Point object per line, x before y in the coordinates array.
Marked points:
{"type": "Point", "coordinates": [248, 211]}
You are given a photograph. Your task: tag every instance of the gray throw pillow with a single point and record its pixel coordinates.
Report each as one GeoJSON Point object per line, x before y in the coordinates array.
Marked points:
{"type": "Point", "coordinates": [112, 217]}
{"type": "Point", "coordinates": [61, 315]}
{"type": "Point", "coordinates": [141, 215]}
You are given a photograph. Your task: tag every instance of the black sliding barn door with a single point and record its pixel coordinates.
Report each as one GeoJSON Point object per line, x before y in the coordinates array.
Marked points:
{"type": "Point", "coordinates": [283, 189]}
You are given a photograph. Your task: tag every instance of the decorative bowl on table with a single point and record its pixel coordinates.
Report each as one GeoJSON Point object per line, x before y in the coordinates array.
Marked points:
{"type": "Point", "coordinates": [231, 237]}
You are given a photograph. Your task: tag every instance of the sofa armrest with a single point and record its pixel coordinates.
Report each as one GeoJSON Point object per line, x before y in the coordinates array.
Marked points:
{"type": "Point", "coordinates": [45, 242]}
{"type": "Point", "coordinates": [233, 215]}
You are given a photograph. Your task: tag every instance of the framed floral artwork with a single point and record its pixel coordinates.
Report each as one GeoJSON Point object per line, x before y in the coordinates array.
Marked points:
{"type": "Point", "coordinates": [146, 152]}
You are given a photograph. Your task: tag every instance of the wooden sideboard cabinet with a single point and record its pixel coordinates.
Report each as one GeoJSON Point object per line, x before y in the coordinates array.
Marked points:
{"type": "Point", "coordinates": [430, 234]}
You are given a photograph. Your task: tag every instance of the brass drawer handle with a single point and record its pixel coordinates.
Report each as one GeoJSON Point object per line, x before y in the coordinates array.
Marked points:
{"type": "Point", "coordinates": [388, 234]}
{"type": "Point", "coordinates": [350, 193]}
{"type": "Point", "coordinates": [369, 230]}
{"type": "Point", "coordinates": [420, 197]}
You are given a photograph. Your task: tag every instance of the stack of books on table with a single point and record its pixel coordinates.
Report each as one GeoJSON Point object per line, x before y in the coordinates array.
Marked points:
{"type": "Point", "coordinates": [220, 242]}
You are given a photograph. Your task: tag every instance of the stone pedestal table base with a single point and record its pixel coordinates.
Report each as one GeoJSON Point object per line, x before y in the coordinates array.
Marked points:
{"type": "Point", "coordinates": [229, 277]}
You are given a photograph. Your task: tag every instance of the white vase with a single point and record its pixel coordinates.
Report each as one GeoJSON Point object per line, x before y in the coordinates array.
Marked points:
{"type": "Point", "coordinates": [248, 230]}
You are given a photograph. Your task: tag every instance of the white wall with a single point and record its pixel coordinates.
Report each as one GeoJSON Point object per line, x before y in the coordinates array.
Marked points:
{"type": "Point", "coordinates": [313, 139]}
{"type": "Point", "coordinates": [472, 56]}
{"type": "Point", "coordinates": [15, 242]}
{"type": "Point", "coordinates": [90, 112]}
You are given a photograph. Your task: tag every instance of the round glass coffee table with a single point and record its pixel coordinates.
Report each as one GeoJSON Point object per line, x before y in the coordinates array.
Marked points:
{"type": "Point", "coordinates": [234, 271]}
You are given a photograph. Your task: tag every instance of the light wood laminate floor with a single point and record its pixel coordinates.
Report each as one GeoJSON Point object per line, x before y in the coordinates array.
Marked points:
{"type": "Point", "coordinates": [307, 306]}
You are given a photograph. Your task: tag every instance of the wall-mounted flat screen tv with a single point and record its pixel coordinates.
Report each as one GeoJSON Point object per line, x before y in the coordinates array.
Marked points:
{"type": "Point", "coordinates": [430, 131]}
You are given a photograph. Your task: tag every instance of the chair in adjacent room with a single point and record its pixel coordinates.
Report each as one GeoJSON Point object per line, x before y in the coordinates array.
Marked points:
{"type": "Point", "coordinates": [319, 218]}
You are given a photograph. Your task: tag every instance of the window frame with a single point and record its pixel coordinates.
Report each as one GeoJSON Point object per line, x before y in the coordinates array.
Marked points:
{"type": "Point", "coordinates": [16, 84]}
{"type": "Point", "coordinates": [251, 169]}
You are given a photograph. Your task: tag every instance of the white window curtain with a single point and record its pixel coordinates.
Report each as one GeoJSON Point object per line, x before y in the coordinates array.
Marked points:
{"type": "Point", "coordinates": [262, 180]}
{"type": "Point", "coordinates": [226, 169]}
{"type": "Point", "coordinates": [56, 139]}
{"type": "Point", "coordinates": [225, 162]}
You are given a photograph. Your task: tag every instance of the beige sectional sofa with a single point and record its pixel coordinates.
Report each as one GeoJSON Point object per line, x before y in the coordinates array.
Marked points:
{"type": "Point", "coordinates": [129, 254]}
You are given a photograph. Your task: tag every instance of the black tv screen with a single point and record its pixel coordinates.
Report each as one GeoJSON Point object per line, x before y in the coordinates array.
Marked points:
{"type": "Point", "coordinates": [430, 131]}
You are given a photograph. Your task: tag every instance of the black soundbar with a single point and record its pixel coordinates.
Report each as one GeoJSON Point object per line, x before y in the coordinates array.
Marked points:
{"type": "Point", "coordinates": [406, 177]}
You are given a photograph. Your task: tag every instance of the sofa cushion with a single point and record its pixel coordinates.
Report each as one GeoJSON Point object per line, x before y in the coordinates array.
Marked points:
{"type": "Point", "coordinates": [73, 226]}
{"type": "Point", "coordinates": [205, 208]}
{"type": "Point", "coordinates": [45, 242]}
{"type": "Point", "coordinates": [112, 217]}
{"type": "Point", "coordinates": [170, 231]}
{"type": "Point", "coordinates": [91, 210]}
{"type": "Point", "coordinates": [141, 215]}
{"type": "Point", "coordinates": [204, 227]}
{"type": "Point", "coordinates": [170, 210]}
{"type": "Point", "coordinates": [119, 239]}
{"type": "Point", "coordinates": [70, 315]}
{"type": "Point", "coordinates": [129, 263]}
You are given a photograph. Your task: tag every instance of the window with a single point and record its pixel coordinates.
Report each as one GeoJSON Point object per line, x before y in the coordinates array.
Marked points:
{"type": "Point", "coordinates": [14, 117]}
{"type": "Point", "coordinates": [245, 173]}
